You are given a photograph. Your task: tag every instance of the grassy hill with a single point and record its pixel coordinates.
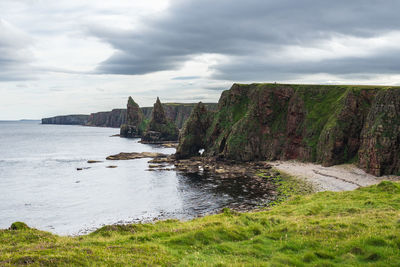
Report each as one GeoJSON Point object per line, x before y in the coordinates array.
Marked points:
{"type": "Point", "coordinates": [357, 228]}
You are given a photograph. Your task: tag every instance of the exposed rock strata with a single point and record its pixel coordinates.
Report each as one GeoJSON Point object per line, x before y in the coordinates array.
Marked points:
{"type": "Point", "coordinates": [316, 123]}
{"type": "Point", "coordinates": [113, 118]}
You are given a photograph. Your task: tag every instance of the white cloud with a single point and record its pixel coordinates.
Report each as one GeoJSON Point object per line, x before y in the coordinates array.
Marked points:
{"type": "Point", "coordinates": [68, 56]}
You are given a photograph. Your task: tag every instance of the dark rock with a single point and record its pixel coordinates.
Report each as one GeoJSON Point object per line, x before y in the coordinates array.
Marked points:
{"type": "Point", "coordinates": [135, 124]}
{"type": "Point", "coordinates": [175, 112]}
{"type": "Point", "coordinates": [380, 137]}
{"type": "Point", "coordinates": [93, 161]}
{"type": "Point", "coordinates": [112, 118]}
{"type": "Point", "coordinates": [136, 155]}
{"type": "Point", "coordinates": [160, 129]}
{"type": "Point", "coordinates": [193, 136]}
{"type": "Point", "coordinates": [317, 123]}
{"type": "Point", "coordinates": [67, 120]}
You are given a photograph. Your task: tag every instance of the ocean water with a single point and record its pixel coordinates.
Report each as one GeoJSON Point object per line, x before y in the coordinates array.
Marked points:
{"type": "Point", "coordinates": [41, 186]}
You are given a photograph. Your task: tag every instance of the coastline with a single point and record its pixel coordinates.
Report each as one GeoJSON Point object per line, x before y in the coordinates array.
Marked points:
{"type": "Point", "coordinates": [344, 177]}
{"type": "Point", "coordinates": [351, 228]}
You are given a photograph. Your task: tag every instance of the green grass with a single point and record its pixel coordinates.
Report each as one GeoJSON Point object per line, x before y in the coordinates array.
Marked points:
{"type": "Point", "coordinates": [357, 228]}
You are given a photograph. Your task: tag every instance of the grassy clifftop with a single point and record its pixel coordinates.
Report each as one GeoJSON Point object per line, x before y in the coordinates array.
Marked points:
{"type": "Point", "coordinates": [357, 228]}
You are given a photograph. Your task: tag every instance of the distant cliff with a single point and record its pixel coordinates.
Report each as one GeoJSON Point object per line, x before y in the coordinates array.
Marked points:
{"type": "Point", "coordinates": [112, 118]}
{"type": "Point", "coordinates": [317, 123]}
{"type": "Point", "coordinates": [176, 112]}
{"type": "Point", "coordinates": [67, 120]}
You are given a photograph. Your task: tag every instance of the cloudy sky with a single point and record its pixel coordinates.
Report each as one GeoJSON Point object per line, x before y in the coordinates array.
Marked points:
{"type": "Point", "coordinates": [82, 56]}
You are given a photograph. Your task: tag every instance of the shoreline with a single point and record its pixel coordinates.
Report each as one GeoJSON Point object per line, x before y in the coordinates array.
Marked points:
{"type": "Point", "coordinates": [344, 177]}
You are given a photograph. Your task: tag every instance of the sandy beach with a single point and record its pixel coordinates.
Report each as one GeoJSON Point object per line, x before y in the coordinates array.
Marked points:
{"type": "Point", "coordinates": [344, 177]}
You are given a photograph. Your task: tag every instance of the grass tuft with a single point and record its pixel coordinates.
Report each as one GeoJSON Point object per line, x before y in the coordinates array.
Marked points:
{"type": "Point", "coordinates": [322, 229]}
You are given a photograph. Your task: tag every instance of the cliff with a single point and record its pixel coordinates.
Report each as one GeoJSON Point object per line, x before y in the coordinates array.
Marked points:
{"type": "Point", "coordinates": [113, 118]}
{"type": "Point", "coordinates": [67, 120]}
{"type": "Point", "coordinates": [316, 123]}
{"type": "Point", "coordinates": [176, 112]}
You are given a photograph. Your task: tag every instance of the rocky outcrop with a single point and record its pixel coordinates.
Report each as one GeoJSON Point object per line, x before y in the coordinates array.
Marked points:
{"type": "Point", "coordinates": [67, 120]}
{"type": "Point", "coordinates": [160, 129]}
{"type": "Point", "coordinates": [325, 124]}
{"type": "Point", "coordinates": [112, 118]}
{"type": "Point", "coordinates": [178, 113]}
{"type": "Point", "coordinates": [379, 151]}
{"type": "Point", "coordinates": [192, 138]}
{"type": "Point", "coordinates": [135, 123]}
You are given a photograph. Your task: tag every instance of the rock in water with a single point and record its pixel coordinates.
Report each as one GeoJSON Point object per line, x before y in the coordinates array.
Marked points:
{"type": "Point", "coordinates": [135, 123]}
{"type": "Point", "coordinates": [192, 138]}
{"type": "Point", "coordinates": [160, 129]}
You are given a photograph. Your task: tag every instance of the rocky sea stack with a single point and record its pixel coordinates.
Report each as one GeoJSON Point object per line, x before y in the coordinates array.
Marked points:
{"type": "Point", "coordinates": [160, 129]}
{"type": "Point", "coordinates": [135, 122]}
{"type": "Point", "coordinates": [192, 137]}
{"type": "Point", "coordinates": [316, 123]}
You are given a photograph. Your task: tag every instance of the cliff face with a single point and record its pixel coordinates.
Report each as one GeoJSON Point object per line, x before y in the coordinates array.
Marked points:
{"type": "Point", "coordinates": [380, 138]}
{"type": "Point", "coordinates": [160, 128]}
{"type": "Point", "coordinates": [112, 118]}
{"type": "Point", "coordinates": [67, 120]}
{"type": "Point", "coordinates": [176, 112]}
{"type": "Point", "coordinates": [325, 124]}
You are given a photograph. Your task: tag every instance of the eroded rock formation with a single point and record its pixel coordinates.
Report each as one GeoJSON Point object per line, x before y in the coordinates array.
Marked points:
{"type": "Point", "coordinates": [160, 129]}
{"type": "Point", "coordinates": [316, 123]}
{"type": "Point", "coordinates": [192, 138]}
{"type": "Point", "coordinates": [135, 122]}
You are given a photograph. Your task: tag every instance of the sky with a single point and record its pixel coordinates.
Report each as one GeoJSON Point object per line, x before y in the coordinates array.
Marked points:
{"type": "Point", "coordinates": [82, 56]}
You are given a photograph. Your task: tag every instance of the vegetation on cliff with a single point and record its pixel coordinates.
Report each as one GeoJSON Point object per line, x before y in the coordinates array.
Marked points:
{"type": "Point", "coordinates": [192, 137]}
{"type": "Point", "coordinates": [160, 128]}
{"type": "Point", "coordinates": [318, 123]}
{"type": "Point", "coordinates": [135, 123]}
{"type": "Point", "coordinates": [355, 228]}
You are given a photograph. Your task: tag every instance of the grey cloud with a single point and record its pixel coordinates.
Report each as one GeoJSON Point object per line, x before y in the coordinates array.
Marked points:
{"type": "Point", "coordinates": [183, 78]}
{"type": "Point", "coordinates": [361, 68]}
{"type": "Point", "coordinates": [246, 29]}
{"type": "Point", "coordinates": [14, 54]}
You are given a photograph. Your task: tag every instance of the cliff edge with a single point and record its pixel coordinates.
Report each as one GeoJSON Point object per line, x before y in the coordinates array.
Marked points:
{"type": "Point", "coordinates": [327, 124]}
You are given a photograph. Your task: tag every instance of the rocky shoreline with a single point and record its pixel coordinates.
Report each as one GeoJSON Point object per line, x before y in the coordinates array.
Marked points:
{"type": "Point", "coordinates": [258, 178]}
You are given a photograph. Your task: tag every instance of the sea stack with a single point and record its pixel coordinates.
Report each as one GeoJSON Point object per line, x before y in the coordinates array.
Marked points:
{"type": "Point", "coordinates": [135, 123]}
{"type": "Point", "coordinates": [160, 129]}
{"type": "Point", "coordinates": [326, 124]}
{"type": "Point", "coordinates": [192, 138]}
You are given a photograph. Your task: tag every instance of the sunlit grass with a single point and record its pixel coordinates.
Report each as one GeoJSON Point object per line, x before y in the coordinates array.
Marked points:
{"type": "Point", "coordinates": [356, 228]}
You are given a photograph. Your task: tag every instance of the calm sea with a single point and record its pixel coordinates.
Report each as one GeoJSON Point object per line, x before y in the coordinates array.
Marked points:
{"type": "Point", "coordinates": [41, 186]}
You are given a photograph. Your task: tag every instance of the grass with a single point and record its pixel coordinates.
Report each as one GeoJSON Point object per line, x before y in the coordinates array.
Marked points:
{"type": "Point", "coordinates": [356, 228]}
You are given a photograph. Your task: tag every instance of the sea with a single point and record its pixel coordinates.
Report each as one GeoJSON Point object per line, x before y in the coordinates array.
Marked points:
{"type": "Point", "coordinates": [40, 183]}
